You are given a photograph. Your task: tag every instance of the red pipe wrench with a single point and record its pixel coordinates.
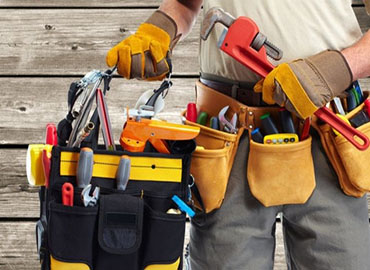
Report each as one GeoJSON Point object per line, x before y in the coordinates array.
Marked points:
{"type": "Point", "coordinates": [243, 41]}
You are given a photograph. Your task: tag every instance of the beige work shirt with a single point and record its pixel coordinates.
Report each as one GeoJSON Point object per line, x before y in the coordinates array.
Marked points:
{"type": "Point", "coordinates": [299, 27]}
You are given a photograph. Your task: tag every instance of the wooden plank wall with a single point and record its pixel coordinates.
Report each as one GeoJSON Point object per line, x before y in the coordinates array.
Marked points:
{"type": "Point", "coordinates": [44, 46]}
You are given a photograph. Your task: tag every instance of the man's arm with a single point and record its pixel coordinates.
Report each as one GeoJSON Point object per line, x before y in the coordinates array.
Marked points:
{"type": "Point", "coordinates": [183, 12]}
{"type": "Point", "coordinates": [358, 57]}
{"type": "Point", "coordinates": [144, 55]}
{"type": "Point", "coordinates": [305, 85]}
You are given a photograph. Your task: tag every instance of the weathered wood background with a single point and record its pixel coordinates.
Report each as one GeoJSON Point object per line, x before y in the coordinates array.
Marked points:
{"type": "Point", "coordinates": [44, 46]}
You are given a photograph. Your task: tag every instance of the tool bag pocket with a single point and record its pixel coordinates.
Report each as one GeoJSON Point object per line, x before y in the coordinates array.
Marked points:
{"type": "Point", "coordinates": [350, 164]}
{"type": "Point", "coordinates": [120, 231]}
{"type": "Point", "coordinates": [281, 174]}
{"type": "Point", "coordinates": [128, 229]}
{"type": "Point", "coordinates": [163, 239]}
{"type": "Point", "coordinates": [71, 236]}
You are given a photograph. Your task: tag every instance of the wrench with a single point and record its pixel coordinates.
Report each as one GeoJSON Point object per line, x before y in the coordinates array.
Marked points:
{"type": "Point", "coordinates": [90, 201]}
{"type": "Point", "coordinates": [225, 124]}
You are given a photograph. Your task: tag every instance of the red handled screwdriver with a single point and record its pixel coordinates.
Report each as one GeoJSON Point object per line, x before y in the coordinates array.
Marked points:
{"type": "Point", "coordinates": [191, 112]}
{"type": "Point", "coordinates": [67, 194]}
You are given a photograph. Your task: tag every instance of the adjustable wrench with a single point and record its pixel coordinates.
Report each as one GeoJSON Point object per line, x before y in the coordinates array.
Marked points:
{"type": "Point", "coordinates": [87, 199]}
{"type": "Point", "coordinates": [243, 41]}
{"type": "Point", "coordinates": [226, 125]}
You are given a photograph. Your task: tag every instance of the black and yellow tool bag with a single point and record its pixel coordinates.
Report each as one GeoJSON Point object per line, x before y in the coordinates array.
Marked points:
{"type": "Point", "coordinates": [130, 229]}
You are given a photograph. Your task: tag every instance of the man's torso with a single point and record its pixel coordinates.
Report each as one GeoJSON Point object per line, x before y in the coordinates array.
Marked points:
{"type": "Point", "coordinates": [300, 28]}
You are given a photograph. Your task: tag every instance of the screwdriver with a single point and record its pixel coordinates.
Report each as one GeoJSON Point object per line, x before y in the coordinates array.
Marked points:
{"type": "Point", "coordinates": [202, 118]}
{"type": "Point", "coordinates": [123, 172]}
{"type": "Point", "coordinates": [191, 112]}
{"type": "Point", "coordinates": [214, 123]}
{"type": "Point", "coordinates": [85, 167]}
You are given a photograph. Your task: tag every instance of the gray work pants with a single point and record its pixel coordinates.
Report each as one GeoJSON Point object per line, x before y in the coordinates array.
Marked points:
{"type": "Point", "coordinates": [330, 231]}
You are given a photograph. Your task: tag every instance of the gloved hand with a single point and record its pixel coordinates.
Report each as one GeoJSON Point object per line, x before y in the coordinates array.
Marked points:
{"type": "Point", "coordinates": [305, 85]}
{"type": "Point", "coordinates": [143, 54]}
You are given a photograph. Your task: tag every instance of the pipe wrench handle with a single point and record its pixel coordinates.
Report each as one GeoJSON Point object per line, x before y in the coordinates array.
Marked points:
{"type": "Point", "coordinates": [343, 128]}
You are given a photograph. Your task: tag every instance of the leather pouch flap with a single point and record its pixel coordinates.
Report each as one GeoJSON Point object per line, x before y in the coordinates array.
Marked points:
{"type": "Point", "coordinates": [120, 223]}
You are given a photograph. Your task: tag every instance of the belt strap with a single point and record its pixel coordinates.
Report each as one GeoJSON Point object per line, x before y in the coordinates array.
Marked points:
{"type": "Point", "coordinates": [244, 95]}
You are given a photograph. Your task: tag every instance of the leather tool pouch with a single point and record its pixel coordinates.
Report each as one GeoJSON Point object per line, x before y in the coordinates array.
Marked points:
{"type": "Point", "coordinates": [128, 229]}
{"type": "Point", "coordinates": [211, 164]}
{"type": "Point", "coordinates": [272, 169]}
{"type": "Point", "coordinates": [279, 173]}
{"type": "Point", "coordinates": [350, 164]}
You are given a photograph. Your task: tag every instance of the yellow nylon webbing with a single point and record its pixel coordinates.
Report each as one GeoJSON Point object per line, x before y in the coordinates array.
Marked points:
{"type": "Point", "coordinates": [173, 266]}
{"type": "Point", "coordinates": [58, 265]}
{"type": "Point", "coordinates": [142, 168]}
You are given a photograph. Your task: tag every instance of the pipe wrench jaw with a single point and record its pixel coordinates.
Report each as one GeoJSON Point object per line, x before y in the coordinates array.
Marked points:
{"type": "Point", "coordinates": [242, 40]}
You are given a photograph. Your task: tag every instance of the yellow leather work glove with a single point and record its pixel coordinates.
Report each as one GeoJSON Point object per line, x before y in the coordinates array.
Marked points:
{"type": "Point", "coordinates": [143, 54]}
{"type": "Point", "coordinates": [305, 85]}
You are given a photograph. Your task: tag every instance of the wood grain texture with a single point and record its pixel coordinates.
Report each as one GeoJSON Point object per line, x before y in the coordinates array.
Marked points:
{"type": "Point", "coordinates": [91, 3]}
{"type": "Point", "coordinates": [74, 41]}
{"type": "Point", "coordinates": [80, 3]}
{"type": "Point", "coordinates": [18, 246]}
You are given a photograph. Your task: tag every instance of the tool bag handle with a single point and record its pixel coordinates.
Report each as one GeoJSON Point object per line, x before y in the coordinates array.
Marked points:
{"type": "Point", "coordinates": [93, 138]}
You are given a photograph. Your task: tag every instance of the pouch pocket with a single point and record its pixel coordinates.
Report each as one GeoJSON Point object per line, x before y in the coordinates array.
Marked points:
{"type": "Point", "coordinates": [120, 231]}
{"type": "Point", "coordinates": [355, 162]}
{"type": "Point", "coordinates": [211, 165]}
{"type": "Point", "coordinates": [71, 236]}
{"type": "Point", "coordinates": [163, 240]}
{"type": "Point", "coordinates": [349, 163]}
{"type": "Point", "coordinates": [281, 174]}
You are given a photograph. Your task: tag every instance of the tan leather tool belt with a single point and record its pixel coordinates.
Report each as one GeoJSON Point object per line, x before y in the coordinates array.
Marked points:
{"type": "Point", "coordinates": [271, 168]}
